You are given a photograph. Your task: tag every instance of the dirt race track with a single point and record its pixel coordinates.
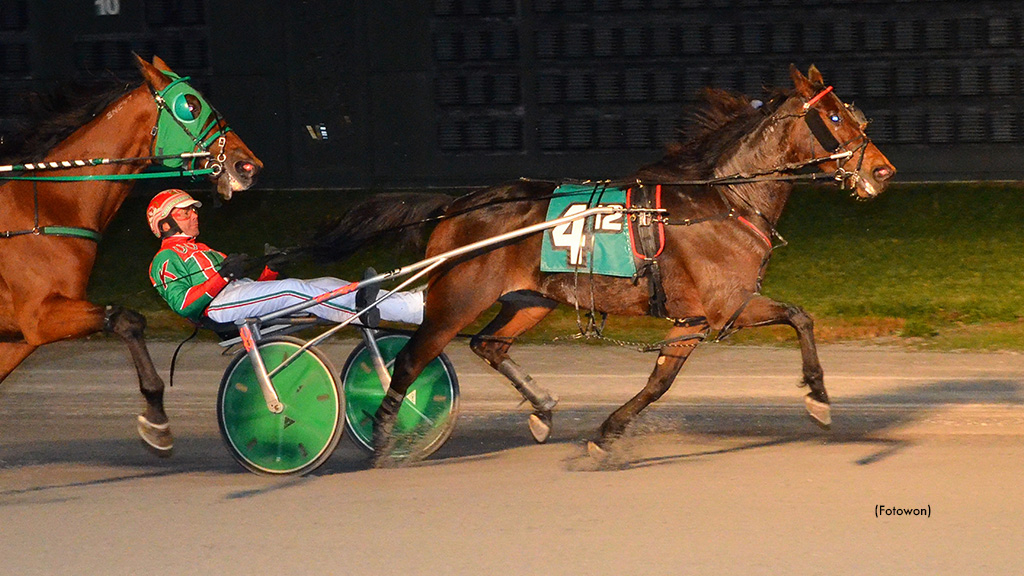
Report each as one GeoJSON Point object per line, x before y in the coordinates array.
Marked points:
{"type": "Point", "coordinates": [725, 475]}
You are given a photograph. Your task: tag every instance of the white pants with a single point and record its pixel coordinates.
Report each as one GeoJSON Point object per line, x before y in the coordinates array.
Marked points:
{"type": "Point", "coordinates": [246, 298]}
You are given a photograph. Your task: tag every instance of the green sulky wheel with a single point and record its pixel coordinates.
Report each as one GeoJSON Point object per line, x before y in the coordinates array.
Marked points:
{"type": "Point", "coordinates": [304, 434]}
{"type": "Point", "coordinates": [427, 416]}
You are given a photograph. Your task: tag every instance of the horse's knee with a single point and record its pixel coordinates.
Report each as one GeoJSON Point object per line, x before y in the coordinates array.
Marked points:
{"type": "Point", "coordinates": [126, 323]}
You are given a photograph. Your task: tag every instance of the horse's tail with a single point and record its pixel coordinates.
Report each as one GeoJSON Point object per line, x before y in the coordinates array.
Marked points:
{"type": "Point", "coordinates": [401, 218]}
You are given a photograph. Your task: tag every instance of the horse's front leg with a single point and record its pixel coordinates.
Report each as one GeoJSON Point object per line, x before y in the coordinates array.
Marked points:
{"type": "Point", "coordinates": [153, 424]}
{"type": "Point", "coordinates": [683, 338]}
{"type": "Point", "coordinates": [58, 318]}
{"type": "Point", "coordinates": [762, 311]}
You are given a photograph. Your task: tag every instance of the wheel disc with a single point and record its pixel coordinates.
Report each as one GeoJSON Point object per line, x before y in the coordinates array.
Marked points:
{"type": "Point", "coordinates": [304, 434]}
{"type": "Point", "coordinates": [427, 416]}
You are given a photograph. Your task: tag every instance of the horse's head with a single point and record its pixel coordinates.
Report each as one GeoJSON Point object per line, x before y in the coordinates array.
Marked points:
{"type": "Point", "coordinates": [187, 123]}
{"type": "Point", "coordinates": [838, 129]}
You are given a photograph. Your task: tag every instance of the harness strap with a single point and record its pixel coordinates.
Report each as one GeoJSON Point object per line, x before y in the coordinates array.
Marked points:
{"type": "Point", "coordinates": [752, 226]}
{"type": "Point", "coordinates": [60, 231]}
{"type": "Point", "coordinates": [651, 243]}
{"type": "Point", "coordinates": [729, 327]}
{"type": "Point", "coordinates": [70, 232]}
{"type": "Point", "coordinates": [642, 223]}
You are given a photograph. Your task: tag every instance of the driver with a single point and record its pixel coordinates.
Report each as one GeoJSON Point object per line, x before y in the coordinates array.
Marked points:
{"type": "Point", "coordinates": [198, 281]}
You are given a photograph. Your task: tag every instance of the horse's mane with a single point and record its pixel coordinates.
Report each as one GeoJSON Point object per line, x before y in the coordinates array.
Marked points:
{"type": "Point", "coordinates": [713, 126]}
{"type": "Point", "coordinates": [54, 114]}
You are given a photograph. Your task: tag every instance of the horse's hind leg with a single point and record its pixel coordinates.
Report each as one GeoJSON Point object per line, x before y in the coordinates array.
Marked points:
{"type": "Point", "coordinates": [448, 309]}
{"type": "Point", "coordinates": [762, 311]}
{"type": "Point", "coordinates": [519, 312]}
{"type": "Point", "coordinates": [683, 338]}
{"type": "Point", "coordinates": [153, 425]}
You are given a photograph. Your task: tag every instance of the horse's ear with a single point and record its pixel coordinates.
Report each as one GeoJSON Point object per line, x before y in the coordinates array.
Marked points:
{"type": "Point", "coordinates": [815, 76]}
{"type": "Point", "coordinates": [156, 79]}
{"type": "Point", "coordinates": [806, 86]}
{"type": "Point", "coordinates": [800, 82]}
{"type": "Point", "coordinates": [159, 63]}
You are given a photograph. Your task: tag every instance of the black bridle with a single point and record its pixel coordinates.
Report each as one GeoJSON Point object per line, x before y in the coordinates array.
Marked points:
{"type": "Point", "coordinates": [826, 139]}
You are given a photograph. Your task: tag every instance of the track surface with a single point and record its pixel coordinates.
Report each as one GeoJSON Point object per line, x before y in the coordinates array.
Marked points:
{"type": "Point", "coordinates": [725, 475]}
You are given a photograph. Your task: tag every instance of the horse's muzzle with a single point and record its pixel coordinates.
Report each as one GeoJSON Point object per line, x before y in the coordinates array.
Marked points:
{"type": "Point", "coordinates": [240, 171]}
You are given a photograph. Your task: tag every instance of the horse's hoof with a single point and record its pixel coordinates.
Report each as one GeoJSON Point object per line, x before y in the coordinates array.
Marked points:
{"type": "Point", "coordinates": [596, 452]}
{"type": "Point", "coordinates": [157, 437]}
{"type": "Point", "coordinates": [819, 411]}
{"type": "Point", "coordinates": [540, 426]}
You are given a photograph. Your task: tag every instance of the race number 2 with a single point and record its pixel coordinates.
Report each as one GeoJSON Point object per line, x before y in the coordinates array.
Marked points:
{"type": "Point", "coordinates": [570, 236]}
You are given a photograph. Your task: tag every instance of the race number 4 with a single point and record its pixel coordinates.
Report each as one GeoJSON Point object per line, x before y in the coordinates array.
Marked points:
{"type": "Point", "coordinates": [570, 236]}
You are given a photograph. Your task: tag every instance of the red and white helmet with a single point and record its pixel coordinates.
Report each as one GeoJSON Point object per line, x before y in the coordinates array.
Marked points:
{"type": "Point", "coordinates": [161, 205]}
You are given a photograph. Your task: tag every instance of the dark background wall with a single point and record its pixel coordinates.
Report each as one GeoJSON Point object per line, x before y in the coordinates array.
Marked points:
{"type": "Point", "coordinates": [463, 92]}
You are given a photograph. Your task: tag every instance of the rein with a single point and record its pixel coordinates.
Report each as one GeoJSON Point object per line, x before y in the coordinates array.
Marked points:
{"type": "Point", "coordinates": [72, 164]}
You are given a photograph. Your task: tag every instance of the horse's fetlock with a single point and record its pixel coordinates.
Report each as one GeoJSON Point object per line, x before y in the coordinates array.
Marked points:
{"type": "Point", "coordinates": [814, 379]}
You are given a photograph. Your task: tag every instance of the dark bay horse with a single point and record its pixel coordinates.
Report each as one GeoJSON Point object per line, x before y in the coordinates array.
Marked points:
{"type": "Point", "coordinates": [49, 230]}
{"type": "Point", "coordinates": [717, 241]}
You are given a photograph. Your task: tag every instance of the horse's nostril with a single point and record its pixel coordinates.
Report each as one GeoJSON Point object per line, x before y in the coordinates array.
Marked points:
{"type": "Point", "coordinates": [247, 168]}
{"type": "Point", "coordinates": [883, 173]}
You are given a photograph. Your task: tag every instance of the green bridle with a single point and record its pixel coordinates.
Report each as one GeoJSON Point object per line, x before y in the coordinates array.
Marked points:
{"type": "Point", "coordinates": [186, 122]}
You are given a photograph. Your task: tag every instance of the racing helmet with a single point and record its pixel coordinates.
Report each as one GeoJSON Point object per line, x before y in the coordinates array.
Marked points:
{"type": "Point", "coordinates": [161, 205]}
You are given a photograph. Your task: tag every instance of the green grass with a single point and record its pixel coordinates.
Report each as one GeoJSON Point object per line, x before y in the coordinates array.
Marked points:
{"type": "Point", "coordinates": [937, 258]}
{"type": "Point", "coordinates": [937, 266]}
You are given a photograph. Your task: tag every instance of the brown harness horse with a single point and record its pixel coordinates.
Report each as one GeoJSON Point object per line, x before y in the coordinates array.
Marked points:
{"type": "Point", "coordinates": [717, 242]}
{"type": "Point", "coordinates": [48, 229]}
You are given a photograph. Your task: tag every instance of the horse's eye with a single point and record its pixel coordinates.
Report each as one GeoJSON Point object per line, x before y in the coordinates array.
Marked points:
{"type": "Point", "coordinates": [187, 107]}
{"type": "Point", "coordinates": [834, 118]}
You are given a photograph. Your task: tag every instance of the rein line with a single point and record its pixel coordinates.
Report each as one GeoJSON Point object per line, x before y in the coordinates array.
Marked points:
{"type": "Point", "coordinates": [72, 164]}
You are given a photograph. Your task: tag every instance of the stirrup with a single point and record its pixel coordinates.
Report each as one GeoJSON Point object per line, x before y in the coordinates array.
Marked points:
{"type": "Point", "coordinates": [365, 297]}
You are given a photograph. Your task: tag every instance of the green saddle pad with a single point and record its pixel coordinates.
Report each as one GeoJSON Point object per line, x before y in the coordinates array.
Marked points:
{"type": "Point", "coordinates": [598, 244]}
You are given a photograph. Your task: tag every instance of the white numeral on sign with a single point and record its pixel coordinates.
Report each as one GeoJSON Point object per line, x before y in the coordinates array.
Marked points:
{"type": "Point", "coordinates": [108, 7]}
{"type": "Point", "coordinates": [569, 236]}
{"type": "Point", "coordinates": [609, 222]}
